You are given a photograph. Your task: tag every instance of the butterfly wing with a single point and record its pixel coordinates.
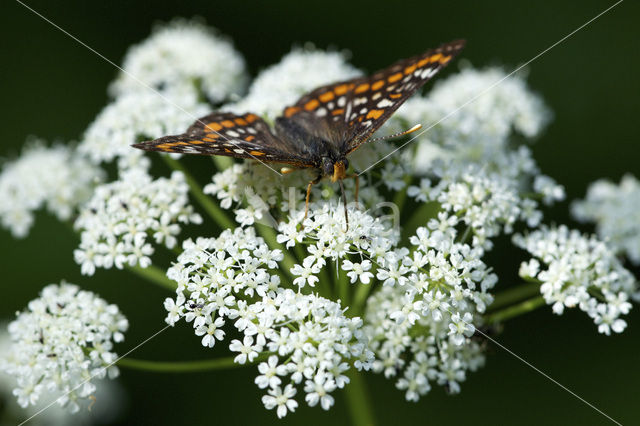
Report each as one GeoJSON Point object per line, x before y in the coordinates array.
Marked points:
{"type": "Point", "coordinates": [348, 113]}
{"type": "Point", "coordinates": [223, 133]}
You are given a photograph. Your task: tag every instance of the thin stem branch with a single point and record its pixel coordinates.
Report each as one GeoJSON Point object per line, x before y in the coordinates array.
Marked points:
{"type": "Point", "coordinates": [213, 210]}
{"type": "Point", "coordinates": [514, 294]}
{"type": "Point", "coordinates": [155, 275]}
{"type": "Point", "coordinates": [515, 310]}
{"type": "Point", "coordinates": [184, 366]}
{"type": "Point", "coordinates": [358, 400]}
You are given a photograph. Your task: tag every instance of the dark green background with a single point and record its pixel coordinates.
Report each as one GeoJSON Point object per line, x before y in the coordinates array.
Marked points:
{"type": "Point", "coordinates": [53, 87]}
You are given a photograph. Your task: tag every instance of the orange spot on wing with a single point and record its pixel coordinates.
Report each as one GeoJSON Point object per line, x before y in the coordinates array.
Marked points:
{"type": "Point", "coordinates": [181, 143]}
{"type": "Point", "coordinates": [311, 105]}
{"type": "Point", "coordinates": [410, 69]}
{"type": "Point", "coordinates": [337, 111]}
{"type": "Point", "coordinates": [214, 126]}
{"type": "Point", "coordinates": [445, 59]}
{"type": "Point", "coordinates": [378, 84]}
{"type": "Point", "coordinates": [362, 88]}
{"type": "Point", "coordinates": [203, 139]}
{"type": "Point", "coordinates": [326, 97]}
{"type": "Point", "coordinates": [341, 89]}
{"type": "Point", "coordinates": [227, 123]}
{"type": "Point", "coordinates": [395, 95]}
{"type": "Point", "coordinates": [290, 111]}
{"type": "Point", "coordinates": [227, 150]}
{"type": "Point", "coordinates": [256, 153]}
{"type": "Point", "coordinates": [251, 118]}
{"type": "Point", "coordinates": [375, 113]}
{"type": "Point", "coordinates": [249, 138]}
{"type": "Point", "coordinates": [213, 135]}
{"type": "Point", "coordinates": [436, 57]}
{"type": "Point", "coordinates": [422, 62]}
{"type": "Point", "coordinates": [240, 122]}
{"type": "Point", "coordinates": [395, 77]}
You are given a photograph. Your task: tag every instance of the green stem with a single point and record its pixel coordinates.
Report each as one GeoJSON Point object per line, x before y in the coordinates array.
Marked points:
{"type": "Point", "coordinates": [358, 400]}
{"type": "Point", "coordinates": [222, 162]}
{"type": "Point", "coordinates": [515, 310]}
{"type": "Point", "coordinates": [360, 298]}
{"type": "Point", "coordinates": [401, 196]}
{"type": "Point", "coordinates": [216, 213]}
{"type": "Point", "coordinates": [184, 366]}
{"type": "Point", "coordinates": [155, 275]}
{"type": "Point", "coordinates": [420, 217]}
{"type": "Point", "coordinates": [515, 294]}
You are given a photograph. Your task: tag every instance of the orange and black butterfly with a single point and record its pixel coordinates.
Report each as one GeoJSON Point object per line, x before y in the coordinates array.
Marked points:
{"type": "Point", "coordinates": [321, 128]}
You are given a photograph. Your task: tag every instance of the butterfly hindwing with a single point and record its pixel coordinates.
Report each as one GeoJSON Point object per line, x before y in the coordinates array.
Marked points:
{"type": "Point", "coordinates": [228, 134]}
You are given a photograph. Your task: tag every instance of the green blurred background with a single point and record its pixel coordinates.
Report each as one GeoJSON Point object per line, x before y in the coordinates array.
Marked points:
{"type": "Point", "coordinates": [53, 87]}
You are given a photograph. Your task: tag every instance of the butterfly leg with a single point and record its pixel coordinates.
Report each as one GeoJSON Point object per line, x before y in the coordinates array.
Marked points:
{"type": "Point", "coordinates": [306, 205]}
{"type": "Point", "coordinates": [357, 178]}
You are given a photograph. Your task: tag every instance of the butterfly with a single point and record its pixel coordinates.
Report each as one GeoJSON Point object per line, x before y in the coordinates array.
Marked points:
{"type": "Point", "coordinates": [321, 129]}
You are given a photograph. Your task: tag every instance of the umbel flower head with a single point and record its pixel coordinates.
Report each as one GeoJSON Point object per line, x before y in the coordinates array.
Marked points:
{"type": "Point", "coordinates": [579, 271]}
{"type": "Point", "coordinates": [63, 343]}
{"type": "Point", "coordinates": [305, 341]}
{"type": "Point", "coordinates": [122, 216]}
{"type": "Point", "coordinates": [615, 209]}
{"type": "Point", "coordinates": [53, 177]}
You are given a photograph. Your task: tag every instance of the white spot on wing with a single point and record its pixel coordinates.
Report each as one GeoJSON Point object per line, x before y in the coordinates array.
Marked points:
{"type": "Point", "coordinates": [341, 101]}
{"type": "Point", "coordinates": [384, 103]}
{"type": "Point", "coordinates": [232, 134]}
{"type": "Point", "coordinates": [360, 101]}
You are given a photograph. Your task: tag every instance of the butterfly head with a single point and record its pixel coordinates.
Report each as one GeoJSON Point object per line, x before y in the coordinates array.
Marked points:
{"type": "Point", "coordinates": [336, 169]}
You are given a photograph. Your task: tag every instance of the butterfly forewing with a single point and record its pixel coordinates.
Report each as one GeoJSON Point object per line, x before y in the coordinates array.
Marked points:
{"type": "Point", "coordinates": [353, 110]}
{"type": "Point", "coordinates": [223, 133]}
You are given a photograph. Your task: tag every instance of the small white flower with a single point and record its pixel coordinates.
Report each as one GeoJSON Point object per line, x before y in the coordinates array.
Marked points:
{"type": "Point", "coordinates": [248, 351]}
{"type": "Point", "coordinates": [283, 400]}
{"type": "Point", "coordinates": [306, 273]}
{"type": "Point", "coordinates": [358, 271]}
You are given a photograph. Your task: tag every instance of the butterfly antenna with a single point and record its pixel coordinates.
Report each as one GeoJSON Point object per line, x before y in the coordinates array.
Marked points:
{"type": "Point", "coordinates": [397, 135]}
{"type": "Point", "coordinates": [344, 200]}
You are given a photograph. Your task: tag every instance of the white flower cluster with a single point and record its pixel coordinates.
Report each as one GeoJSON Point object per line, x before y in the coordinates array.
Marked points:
{"type": "Point", "coordinates": [63, 343]}
{"type": "Point", "coordinates": [576, 270]}
{"type": "Point", "coordinates": [233, 278]}
{"type": "Point", "coordinates": [483, 202]}
{"type": "Point", "coordinates": [325, 236]}
{"type": "Point", "coordinates": [424, 351]}
{"type": "Point", "coordinates": [616, 211]}
{"type": "Point", "coordinates": [421, 321]}
{"type": "Point", "coordinates": [137, 116]}
{"type": "Point", "coordinates": [299, 72]}
{"type": "Point", "coordinates": [431, 293]}
{"type": "Point", "coordinates": [118, 221]}
{"type": "Point", "coordinates": [475, 116]}
{"type": "Point", "coordinates": [184, 54]}
{"type": "Point", "coordinates": [55, 177]}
